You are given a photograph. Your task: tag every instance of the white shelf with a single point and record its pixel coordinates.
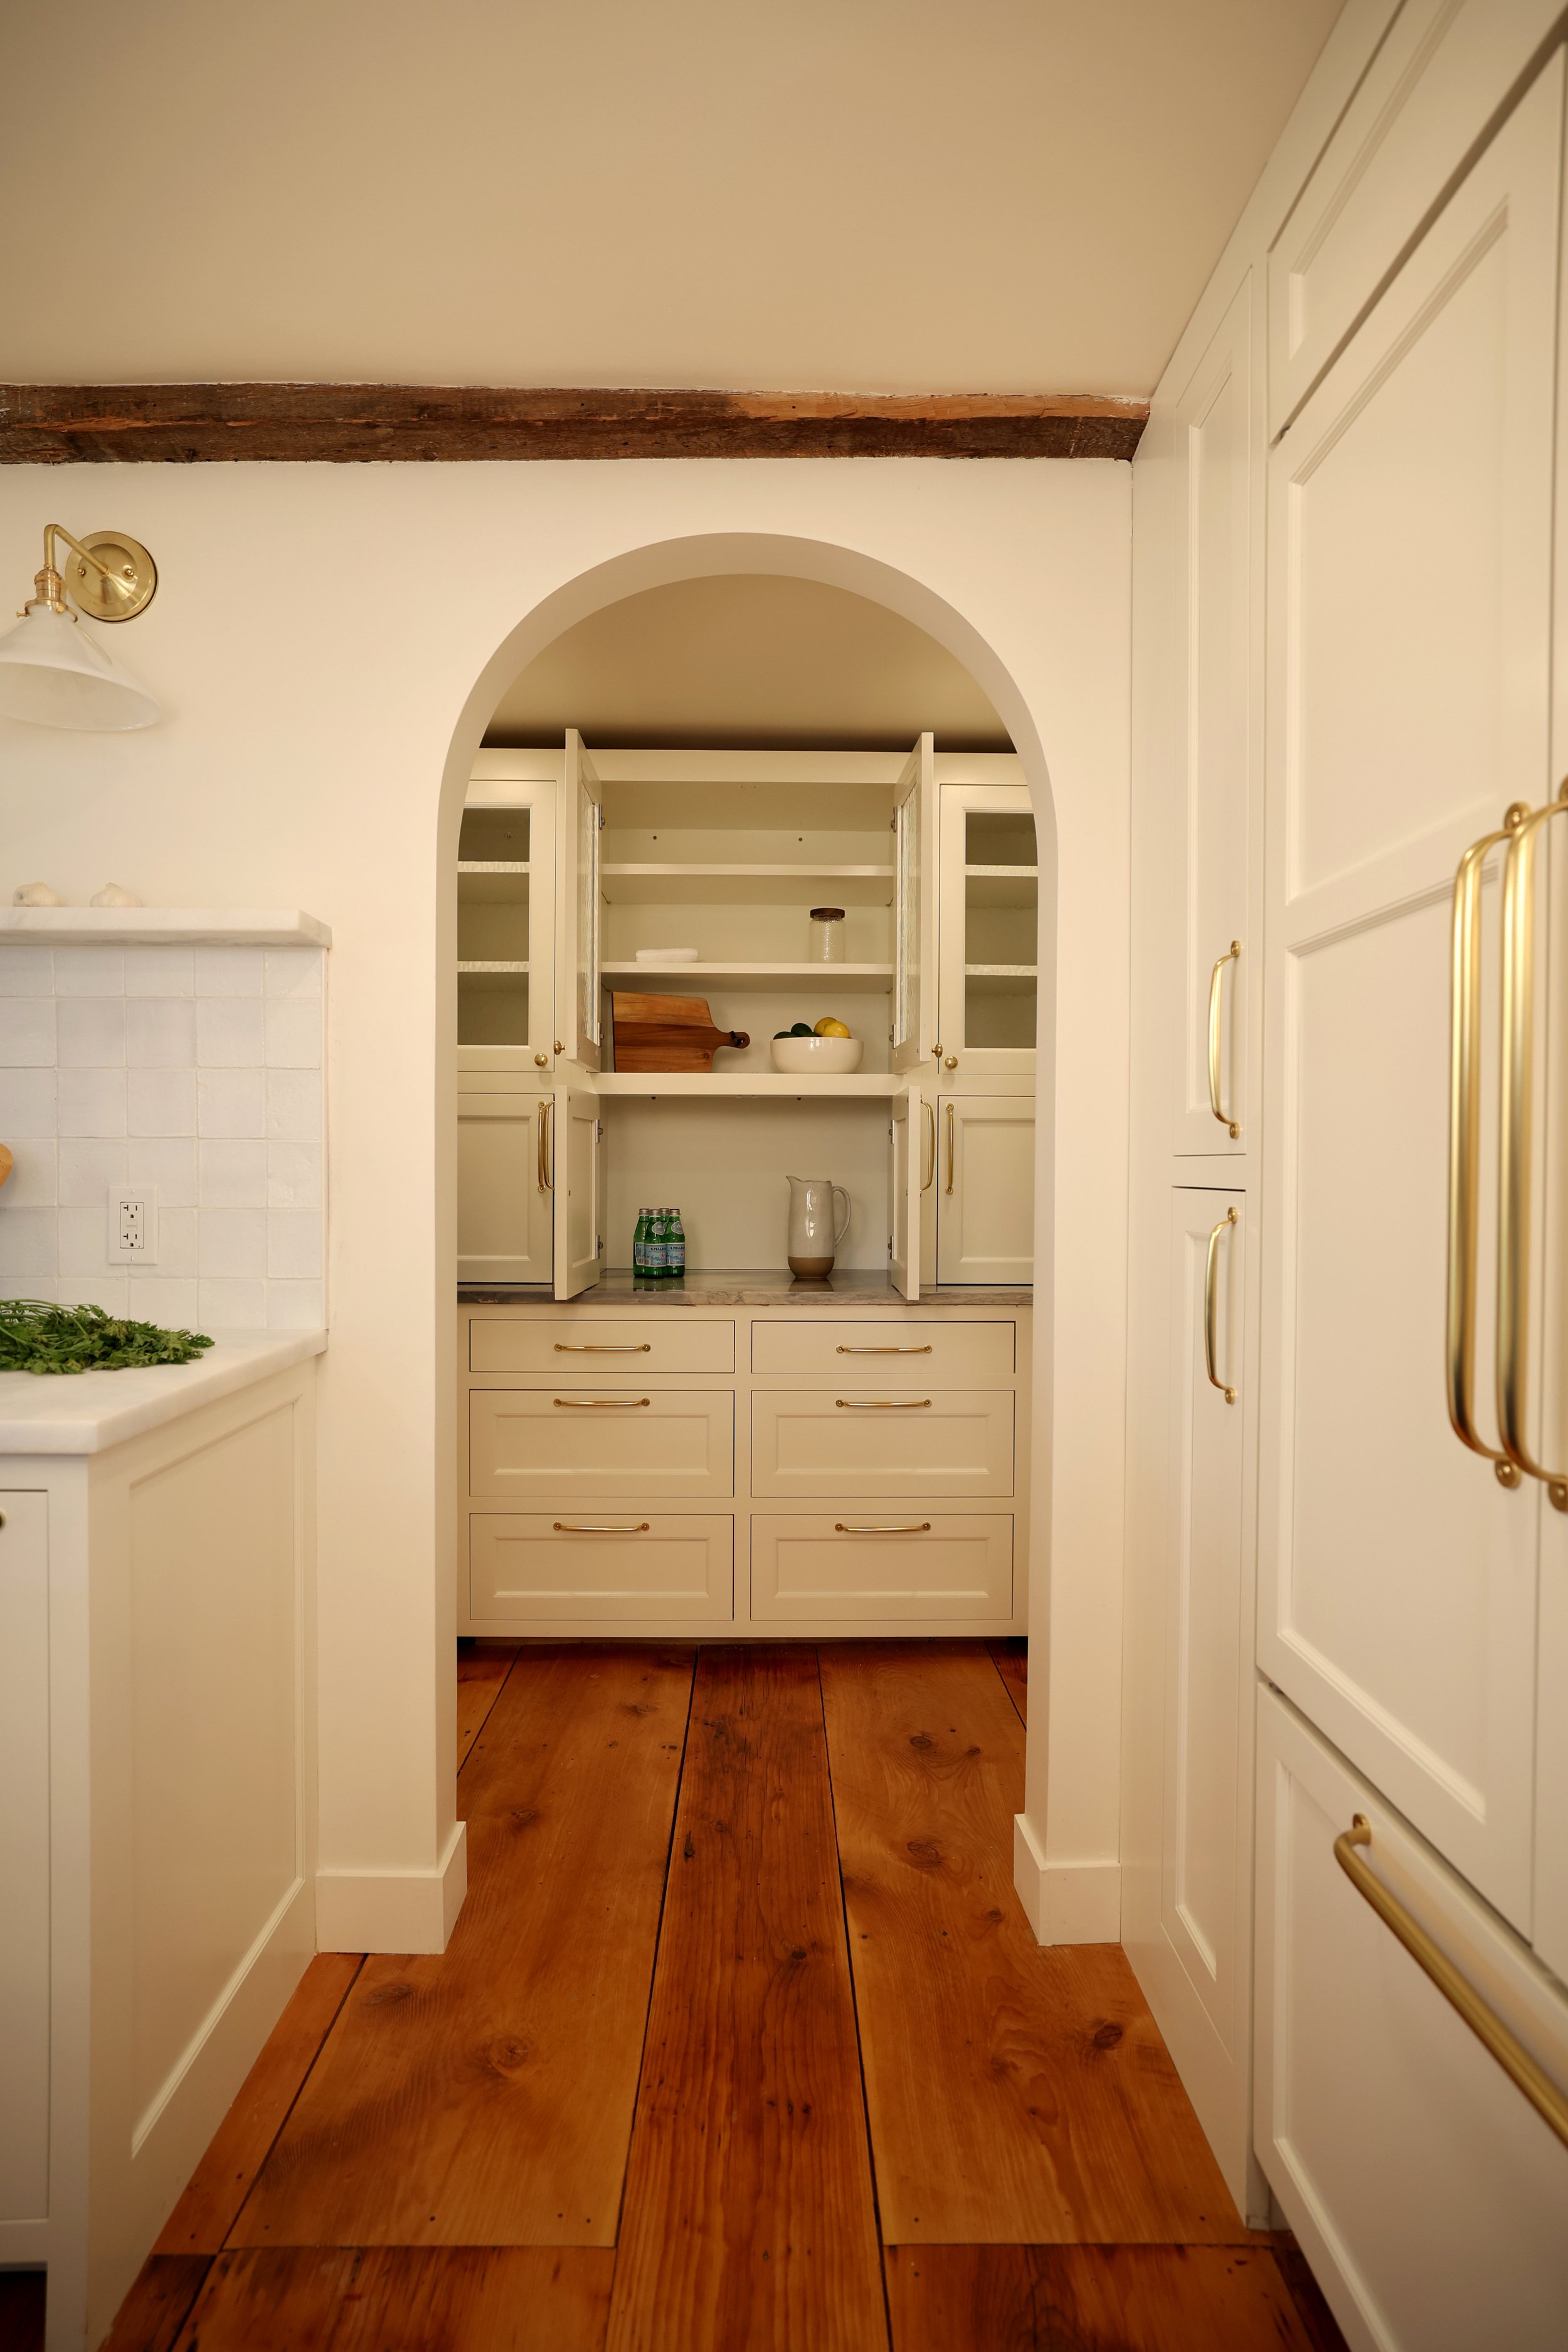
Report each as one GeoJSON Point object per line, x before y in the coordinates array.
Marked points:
{"type": "Point", "coordinates": [1001, 971]}
{"type": "Point", "coordinates": [733, 1084]}
{"type": "Point", "coordinates": [178, 927]}
{"type": "Point", "coordinates": [875, 977]}
{"type": "Point", "coordinates": [1008, 873]}
{"type": "Point", "coordinates": [708, 884]}
{"type": "Point", "coordinates": [495, 865]}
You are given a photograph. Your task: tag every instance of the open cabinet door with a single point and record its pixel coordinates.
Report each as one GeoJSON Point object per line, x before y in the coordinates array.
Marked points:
{"type": "Point", "coordinates": [576, 1161]}
{"type": "Point", "coordinates": [914, 908]}
{"type": "Point", "coordinates": [504, 1220]}
{"type": "Point", "coordinates": [904, 1193]}
{"type": "Point", "coordinates": [582, 819]}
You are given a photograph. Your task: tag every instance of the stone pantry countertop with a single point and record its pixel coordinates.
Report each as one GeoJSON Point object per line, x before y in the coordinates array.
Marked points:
{"type": "Point", "coordinates": [764, 1287]}
{"type": "Point", "coordinates": [87, 1413]}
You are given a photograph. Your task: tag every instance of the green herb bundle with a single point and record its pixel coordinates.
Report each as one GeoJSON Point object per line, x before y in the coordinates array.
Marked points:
{"type": "Point", "coordinates": [37, 1337]}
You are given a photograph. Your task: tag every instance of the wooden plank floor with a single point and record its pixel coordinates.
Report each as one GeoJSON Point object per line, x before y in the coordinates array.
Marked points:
{"type": "Point", "coordinates": [742, 2044]}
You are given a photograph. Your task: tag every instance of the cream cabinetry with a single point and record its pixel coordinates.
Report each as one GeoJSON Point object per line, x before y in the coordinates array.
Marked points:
{"type": "Point", "coordinates": [772, 1469]}
{"type": "Point", "coordinates": [985, 1171]}
{"type": "Point", "coordinates": [24, 1865]}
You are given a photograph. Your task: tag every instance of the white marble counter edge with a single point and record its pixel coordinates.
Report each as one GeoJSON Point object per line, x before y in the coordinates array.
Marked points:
{"type": "Point", "coordinates": [114, 926]}
{"type": "Point", "coordinates": [87, 1413]}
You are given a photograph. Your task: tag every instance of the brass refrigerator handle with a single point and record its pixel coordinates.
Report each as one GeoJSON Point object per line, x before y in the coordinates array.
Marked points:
{"type": "Point", "coordinates": [1224, 1226]}
{"type": "Point", "coordinates": [1465, 1141]}
{"type": "Point", "coordinates": [1517, 1121]}
{"type": "Point", "coordinates": [1483, 2021]}
{"type": "Point", "coordinates": [929, 1111]}
{"type": "Point", "coordinates": [583, 1528]}
{"type": "Point", "coordinates": [950, 1147]}
{"type": "Point", "coordinates": [545, 1171]}
{"type": "Point", "coordinates": [1230, 1125]}
{"type": "Point", "coordinates": [604, 1404]}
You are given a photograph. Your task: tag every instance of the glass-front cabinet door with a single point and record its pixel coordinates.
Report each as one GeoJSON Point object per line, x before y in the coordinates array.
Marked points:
{"type": "Point", "coordinates": [989, 944]}
{"type": "Point", "coordinates": [505, 882]}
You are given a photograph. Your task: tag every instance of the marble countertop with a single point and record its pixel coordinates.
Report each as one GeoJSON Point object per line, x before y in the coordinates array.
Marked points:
{"type": "Point", "coordinates": [762, 1288]}
{"type": "Point", "coordinates": [87, 1413]}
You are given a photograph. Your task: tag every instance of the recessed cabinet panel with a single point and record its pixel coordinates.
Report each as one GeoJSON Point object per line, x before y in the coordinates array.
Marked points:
{"type": "Point", "coordinates": [894, 1564]}
{"type": "Point", "coordinates": [551, 1567]}
{"type": "Point", "coordinates": [587, 1441]}
{"type": "Point", "coordinates": [985, 1188]}
{"type": "Point", "coordinates": [600, 1348]}
{"type": "Point", "coordinates": [902, 1440]}
{"type": "Point", "coordinates": [870, 1351]}
{"type": "Point", "coordinates": [504, 1212]}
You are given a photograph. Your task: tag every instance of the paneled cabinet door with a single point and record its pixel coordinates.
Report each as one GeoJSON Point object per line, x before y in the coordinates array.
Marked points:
{"type": "Point", "coordinates": [1214, 745]}
{"type": "Point", "coordinates": [914, 908]}
{"type": "Point", "coordinates": [1410, 549]}
{"type": "Point", "coordinates": [575, 1159]}
{"type": "Point", "coordinates": [907, 1132]}
{"type": "Point", "coordinates": [985, 1179]}
{"type": "Point", "coordinates": [505, 1221]}
{"type": "Point", "coordinates": [579, 904]}
{"type": "Point", "coordinates": [989, 931]}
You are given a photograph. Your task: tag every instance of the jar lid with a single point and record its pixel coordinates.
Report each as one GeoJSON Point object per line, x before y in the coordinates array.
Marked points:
{"type": "Point", "coordinates": [827, 914]}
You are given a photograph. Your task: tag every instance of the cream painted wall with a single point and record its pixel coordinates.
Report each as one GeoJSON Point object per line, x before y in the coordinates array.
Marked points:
{"type": "Point", "coordinates": [854, 194]}
{"type": "Point", "coordinates": [328, 643]}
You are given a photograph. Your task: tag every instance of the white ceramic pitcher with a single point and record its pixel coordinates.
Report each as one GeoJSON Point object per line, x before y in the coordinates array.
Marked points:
{"type": "Point", "coordinates": [814, 1237]}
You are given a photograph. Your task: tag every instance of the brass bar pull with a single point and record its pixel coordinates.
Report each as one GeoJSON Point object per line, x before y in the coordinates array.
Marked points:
{"type": "Point", "coordinates": [924, 1350]}
{"type": "Point", "coordinates": [1465, 1141]}
{"type": "Point", "coordinates": [924, 1529]}
{"type": "Point", "coordinates": [950, 1147]}
{"type": "Point", "coordinates": [928, 1111]}
{"type": "Point", "coordinates": [545, 1167]}
{"type": "Point", "coordinates": [603, 1404]}
{"type": "Point", "coordinates": [1220, 1113]}
{"type": "Point", "coordinates": [1214, 1380]}
{"type": "Point", "coordinates": [1517, 1119]}
{"type": "Point", "coordinates": [586, 1528]}
{"type": "Point", "coordinates": [1549, 2101]}
{"type": "Point", "coordinates": [881, 1404]}
{"type": "Point", "coordinates": [603, 1347]}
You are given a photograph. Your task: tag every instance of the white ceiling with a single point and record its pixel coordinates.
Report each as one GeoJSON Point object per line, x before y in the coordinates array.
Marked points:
{"type": "Point", "coordinates": [899, 195]}
{"type": "Point", "coordinates": [780, 665]}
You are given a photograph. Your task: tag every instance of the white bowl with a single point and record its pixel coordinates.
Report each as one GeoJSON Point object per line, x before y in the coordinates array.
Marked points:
{"type": "Point", "coordinates": [838, 1054]}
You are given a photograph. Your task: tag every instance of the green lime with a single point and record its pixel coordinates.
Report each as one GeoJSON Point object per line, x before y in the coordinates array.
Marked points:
{"type": "Point", "coordinates": [802, 1029]}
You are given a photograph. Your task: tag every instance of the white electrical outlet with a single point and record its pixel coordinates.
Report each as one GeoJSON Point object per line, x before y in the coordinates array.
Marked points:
{"type": "Point", "coordinates": [134, 1226]}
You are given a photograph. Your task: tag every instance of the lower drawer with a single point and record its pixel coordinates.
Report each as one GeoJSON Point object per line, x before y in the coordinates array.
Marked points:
{"type": "Point", "coordinates": [547, 1567]}
{"type": "Point", "coordinates": [888, 1564]}
{"type": "Point", "coordinates": [1431, 2199]}
{"type": "Point", "coordinates": [905, 1442]}
{"type": "Point", "coordinates": [600, 1441]}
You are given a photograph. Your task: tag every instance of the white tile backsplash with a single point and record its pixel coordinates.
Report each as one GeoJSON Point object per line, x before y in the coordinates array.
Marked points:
{"type": "Point", "coordinates": [195, 1073]}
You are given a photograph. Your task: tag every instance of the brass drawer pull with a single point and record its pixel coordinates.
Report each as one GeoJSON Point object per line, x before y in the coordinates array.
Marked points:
{"type": "Point", "coordinates": [578, 1528]}
{"type": "Point", "coordinates": [1224, 1226]}
{"type": "Point", "coordinates": [1480, 2017]}
{"type": "Point", "coordinates": [840, 1529]}
{"type": "Point", "coordinates": [884, 1351]}
{"type": "Point", "coordinates": [603, 1347]}
{"type": "Point", "coordinates": [880, 1404]}
{"type": "Point", "coordinates": [603, 1404]}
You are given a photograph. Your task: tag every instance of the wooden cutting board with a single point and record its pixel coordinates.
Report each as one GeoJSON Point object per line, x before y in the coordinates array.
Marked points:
{"type": "Point", "coordinates": [667, 1033]}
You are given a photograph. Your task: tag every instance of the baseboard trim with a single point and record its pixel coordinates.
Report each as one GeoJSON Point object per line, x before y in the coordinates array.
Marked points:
{"type": "Point", "coordinates": [1065, 1902]}
{"type": "Point", "coordinates": [393, 1910]}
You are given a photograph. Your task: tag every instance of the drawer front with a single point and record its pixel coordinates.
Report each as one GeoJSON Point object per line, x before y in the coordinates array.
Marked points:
{"type": "Point", "coordinates": [882, 1564]}
{"type": "Point", "coordinates": [905, 1442]}
{"type": "Point", "coordinates": [545, 1568]}
{"type": "Point", "coordinates": [580, 1440]}
{"type": "Point", "coordinates": [1430, 2198]}
{"type": "Point", "coordinates": [578, 1348]}
{"type": "Point", "coordinates": [874, 1351]}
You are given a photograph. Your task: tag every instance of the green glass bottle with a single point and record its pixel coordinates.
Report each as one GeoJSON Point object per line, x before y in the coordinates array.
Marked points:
{"type": "Point", "coordinates": [675, 1247]}
{"type": "Point", "coordinates": [655, 1245]}
{"type": "Point", "coordinates": [640, 1244]}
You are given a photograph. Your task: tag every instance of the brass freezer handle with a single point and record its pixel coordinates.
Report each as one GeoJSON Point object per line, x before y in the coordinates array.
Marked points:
{"type": "Point", "coordinates": [1224, 1117]}
{"type": "Point", "coordinates": [604, 1404]}
{"type": "Point", "coordinates": [881, 1404]}
{"type": "Point", "coordinates": [924, 1529]}
{"type": "Point", "coordinates": [928, 1112]}
{"type": "Point", "coordinates": [1214, 1380]}
{"type": "Point", "coordinates": [1516, 1119]}
{"type": "Point", "coordinates": [950, 1147]}
{"type": "Point", "coordinates": [604, 1348]}
{"type": "Point", "coordinates": [1483, 2021]}
{"type": "Point", "coordinates": [924, 1350]}
{"type": "Point", "coordinates": [585, 1528]}
{"type": "Point", "coordinates": [545, 1167]}
{"type": "Point", "coordinates": [1465, 1141]}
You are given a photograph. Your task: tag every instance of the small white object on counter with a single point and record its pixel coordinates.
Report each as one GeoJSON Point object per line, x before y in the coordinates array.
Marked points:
{"type": "Point", "coordinates": [113, 894]}
{"type": "Point", "coordinates": [86, 1413]}
{"type": "Point", "coordinates": [667, 955]}
{"type": "Point", "coordinates": [36, 893]}
{"type": "Point", "coordinates": [838, 1054]}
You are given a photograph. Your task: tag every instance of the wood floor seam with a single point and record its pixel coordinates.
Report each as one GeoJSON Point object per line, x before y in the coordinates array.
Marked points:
{"type": "Point", "coordinates": [299, 2092]}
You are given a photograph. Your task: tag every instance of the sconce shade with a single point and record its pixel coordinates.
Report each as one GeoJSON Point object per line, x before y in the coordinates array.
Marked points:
{"type": "Point", "coordinates": [54, 673]}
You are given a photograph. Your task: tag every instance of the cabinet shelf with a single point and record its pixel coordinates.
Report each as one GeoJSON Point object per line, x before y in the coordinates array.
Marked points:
{"type": "Point", "coordinates": [487, 882]}
{"type": "Point", "coordinates": [877, 978]}
{"type": "Point", "coordinates": [625, 885]}
{"type": "Point", "coordinates": [733, 1084]}
{"type": "Point", "coordinates": [495, 968]}
{"type": "Point", "coordinates": [1001, 971]}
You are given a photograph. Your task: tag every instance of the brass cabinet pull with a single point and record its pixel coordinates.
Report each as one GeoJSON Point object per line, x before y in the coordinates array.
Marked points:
{"type": "Point", "coordinates": [1465, 1141]}
{"type": "Point", "coordinates": [603, 1404]}
{"type": "Point", "coordinates": [923, 1529]}
{"type": "Point", "coordinates": [1224, 1226]}
{"type": "Point", "coordinates": [586, 1528]}
{"type": "Point", "coordinates": [950, 1147]}
{"type": "Point", "coordinates": [881, 1404]}
{"type": "Point", "coordinates": [545, 1169]}
{"type": "Point", "coordinates": [604, 1348]}
{"type": "Point", "coordinates": [1483, 2021]}
{"type": "Point", "coordinates": [924, 1350]}
{"type": "Point", "coordinates": [1224, 1117]}
{"type": "Point", "coordinates": [1516, 1119]}
{"type": "Point", "coordinates": [927, 1110]}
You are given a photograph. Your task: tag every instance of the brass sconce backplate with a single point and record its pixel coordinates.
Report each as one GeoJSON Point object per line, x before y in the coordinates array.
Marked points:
{"type": "Point", "coordinates": [133, 567]}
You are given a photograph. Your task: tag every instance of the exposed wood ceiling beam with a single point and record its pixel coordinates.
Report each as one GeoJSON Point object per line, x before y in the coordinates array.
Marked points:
{"type": "Point", "coordinates": [350, 424]}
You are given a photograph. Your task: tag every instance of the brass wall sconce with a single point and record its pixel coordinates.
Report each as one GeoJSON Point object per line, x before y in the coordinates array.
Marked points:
{"type": "Point", "coordinates": [55, 674]}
